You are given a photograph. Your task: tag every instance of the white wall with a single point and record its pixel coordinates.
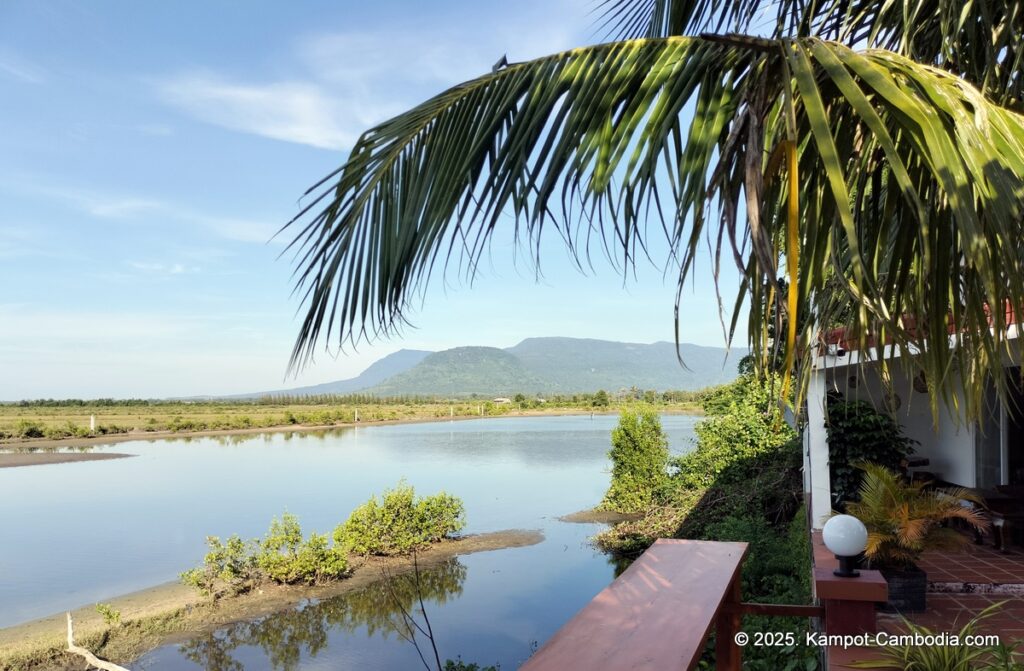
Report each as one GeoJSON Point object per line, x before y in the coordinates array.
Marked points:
{"type": "Point", "coordinates": [948, 444]}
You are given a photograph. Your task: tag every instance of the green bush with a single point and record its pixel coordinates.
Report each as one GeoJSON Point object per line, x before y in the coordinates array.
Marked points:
{"type": "Point", "coordinates": [279, 548]}
{"type": "Point", "coordinates": [285, 558]}
{"type": "Point", "coordinates": [27, 429]}
{"type": "Point", "coordinates": [858, 433]}
{"type": "Point", "coordinates": [459, 665]}
{"type": "Point", "coordinates": [744, 420]}
{"type": "Point", "coordinates": [317, 562]}
{"type": "Point", "coordinates": [227, 568]}
{"type": "Point", "coordinates": [399, 522]}
{"type": "Point", "coordinates": [747, 461]}
{"type": "Point", "coordinates": [282, 556]}
{"type": "Point", "coordinates": [639, 457]}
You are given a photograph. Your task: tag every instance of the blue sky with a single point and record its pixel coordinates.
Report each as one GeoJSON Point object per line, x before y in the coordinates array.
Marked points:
{"type": "Point", "coordinates": [150, 150]}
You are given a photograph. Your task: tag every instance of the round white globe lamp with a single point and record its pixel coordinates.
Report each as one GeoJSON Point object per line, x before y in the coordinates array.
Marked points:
{"type": "Point", "coordinates": [846, 537]}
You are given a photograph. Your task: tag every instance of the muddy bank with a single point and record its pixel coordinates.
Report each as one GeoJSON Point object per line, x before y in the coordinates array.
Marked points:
{"type": "Point", "coordinates": [15, 459]}
{"type": "Point", "coordinates": [598, 516]}
{"type": "Point", "coordinates": [172, 613]}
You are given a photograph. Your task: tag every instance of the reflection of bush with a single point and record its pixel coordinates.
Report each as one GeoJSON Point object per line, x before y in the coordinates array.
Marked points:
{"type": "Point", "coordinates": [285, 636]}
{"type": "Point", "coordinates": [379, 606]}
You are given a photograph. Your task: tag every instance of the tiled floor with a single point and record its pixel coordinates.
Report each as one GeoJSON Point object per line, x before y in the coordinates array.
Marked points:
{"type": "Point", "coordinates": [968, 582]}
{"type": "Point", "coordinates": [976, 564]}
{"type": "Point", "coordinates": [948, 613]}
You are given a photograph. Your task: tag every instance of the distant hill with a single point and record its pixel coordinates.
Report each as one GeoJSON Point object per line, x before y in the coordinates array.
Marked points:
{"type": "Point", "coordinates": [536, 366]}
{"type": "Point", "coordinates": [562, 365]}
{"type": "Point", "coordinates": [461, 372]}
{"type": "Point", "coordinates": [379, 370]}
{"type": "Point", "coordinates": [577, 364]}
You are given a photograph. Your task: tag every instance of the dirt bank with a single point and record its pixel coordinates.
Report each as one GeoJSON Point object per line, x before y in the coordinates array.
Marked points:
{"type": "Point", "coordinates": [172, 612]}
{"type": "Point", "coordinates": [597, 516]}
{"type": "Point", "coordinates": [15, 459]}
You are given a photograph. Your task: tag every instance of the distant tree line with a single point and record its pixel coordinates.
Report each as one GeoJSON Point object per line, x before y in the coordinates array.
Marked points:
{"type": "Point", "coordinates": [599, 398]}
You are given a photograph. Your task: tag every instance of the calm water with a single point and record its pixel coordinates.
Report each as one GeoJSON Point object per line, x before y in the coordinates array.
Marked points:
{"type": "Point", "coordinates": [76, 534]}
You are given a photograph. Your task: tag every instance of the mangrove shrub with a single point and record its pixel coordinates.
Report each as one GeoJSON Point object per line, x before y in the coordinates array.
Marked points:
{"type": "Point", "coordinates": [285, 558]}
{"type": "Point", "coordinates": [399, 522]}
{"type": "Point", "coordinates": [282, 556]}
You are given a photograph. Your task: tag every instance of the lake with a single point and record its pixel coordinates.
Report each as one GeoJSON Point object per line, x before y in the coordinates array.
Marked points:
{"type": "Point", "coordinates": [81, 533]}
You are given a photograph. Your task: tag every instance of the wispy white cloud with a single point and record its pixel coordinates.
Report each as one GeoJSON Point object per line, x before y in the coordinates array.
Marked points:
{"type": "Point", "coordinates": [17, 68]}
{"type": "Point", "coordinates": [292, 111]}
{"type": "Point", "coordinates": [24, 242]}
{"type": "Point", "coordinates": [157, 129]}
{"type": "Point", "coordinates": [164, 268]}
{"type": "Point", "coordinates": [129, 208]}
{"type": "Point", "coordinates": [241, 230]}
{"type": "Point", "coordinates": [14, 243]}
{"type": "Point", "coordinates": [119, 208]}
{"type": "Point", "coordinates": [338, 84]}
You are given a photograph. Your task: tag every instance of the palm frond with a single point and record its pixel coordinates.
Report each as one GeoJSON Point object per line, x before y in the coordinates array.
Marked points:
{"type": "Point", "coordinates": [902, 172]}
{"type": "Point", "coordinates": [979, 40]}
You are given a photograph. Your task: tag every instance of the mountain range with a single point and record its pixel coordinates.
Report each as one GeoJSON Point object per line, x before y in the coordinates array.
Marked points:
{"type": "Point", "coordinates": [536, 366]}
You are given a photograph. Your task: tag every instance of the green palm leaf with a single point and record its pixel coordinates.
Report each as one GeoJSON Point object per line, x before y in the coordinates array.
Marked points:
{"type": "Point", "coordinates": [979, 40]}
{"type": "Point", "coordinates": [905, 172]}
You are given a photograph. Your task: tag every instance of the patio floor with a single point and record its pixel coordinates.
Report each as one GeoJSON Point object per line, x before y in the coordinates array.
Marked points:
{"type": "Point", "coordinates": [960, 585]}
{"type": "Point", "coordinates": [981, 564]}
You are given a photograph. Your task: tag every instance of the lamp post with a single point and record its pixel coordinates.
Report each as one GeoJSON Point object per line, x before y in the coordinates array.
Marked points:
{"type": "Point", "coordinates": [846, 537]}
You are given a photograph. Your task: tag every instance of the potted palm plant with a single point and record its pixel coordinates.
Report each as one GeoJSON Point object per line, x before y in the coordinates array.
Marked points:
{"type": "Point", "coordinates": [904, 519]}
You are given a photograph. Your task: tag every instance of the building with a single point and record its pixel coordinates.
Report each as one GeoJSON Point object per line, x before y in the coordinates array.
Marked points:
{"type": "Point", "coordinates": [981, 454]}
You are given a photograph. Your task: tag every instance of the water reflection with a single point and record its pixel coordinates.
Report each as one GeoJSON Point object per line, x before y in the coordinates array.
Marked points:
{"type": "Point", "coordinates": [383, 608]}
{"type": "Point", "coordinates": [511, 473]}
{"type": "Point", "coordinates": [48, 449]}
{"type": "Point", "coordinates": [267, 437]}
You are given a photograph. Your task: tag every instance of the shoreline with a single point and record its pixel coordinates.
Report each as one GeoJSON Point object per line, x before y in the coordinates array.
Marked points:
{"type": "Point", "coordinates": [25, 445]}
{"type": "Point", "coordinates": [20, 459]}
{"type": "Point", "coordinates": [173, 612]}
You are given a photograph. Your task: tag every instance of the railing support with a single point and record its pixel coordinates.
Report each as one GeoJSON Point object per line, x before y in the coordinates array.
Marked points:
{"type": "Point", "coordinates": [728, 655]}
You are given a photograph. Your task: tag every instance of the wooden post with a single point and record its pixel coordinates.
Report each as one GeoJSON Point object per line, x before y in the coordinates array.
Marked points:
{"type": "Point", "coordinates": [451, 410]}
{"type": "Point", "coordinates": [728, 655]}
{"type": "Point", "coordinates": [92, 423]}
{"type": "Point", "coordinates": [357, 414]}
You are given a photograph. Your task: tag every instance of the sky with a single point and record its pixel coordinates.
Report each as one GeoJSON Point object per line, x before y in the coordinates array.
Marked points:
{"type": "Point", "coordinates": [150, 151]}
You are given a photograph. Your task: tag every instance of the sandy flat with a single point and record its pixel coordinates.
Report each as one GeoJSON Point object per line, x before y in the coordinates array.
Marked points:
{"type": "Point", "coordinates": [13, 459]}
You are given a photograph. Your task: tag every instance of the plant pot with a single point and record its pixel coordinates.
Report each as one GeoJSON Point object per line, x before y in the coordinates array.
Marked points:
{"type": "Point", "coordinates": [908, 588]}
